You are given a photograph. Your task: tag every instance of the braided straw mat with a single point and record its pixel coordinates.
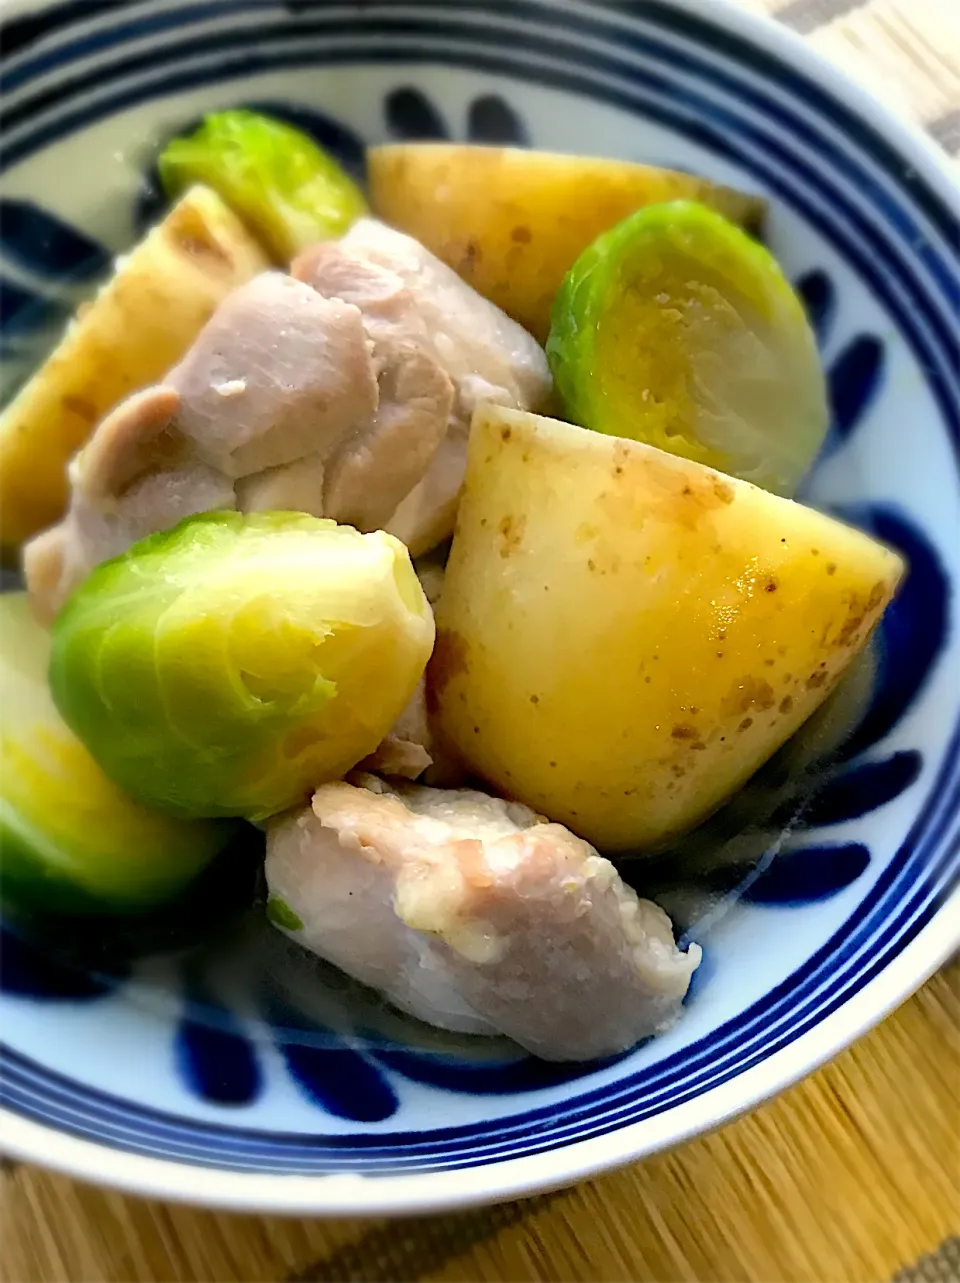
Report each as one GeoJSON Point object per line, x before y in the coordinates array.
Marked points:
{"type": "Point", "coordinates": [851, 1177]}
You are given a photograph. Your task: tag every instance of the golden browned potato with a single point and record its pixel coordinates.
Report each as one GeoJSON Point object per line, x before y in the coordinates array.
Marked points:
{"type": "Point", "coordinates": [625, 636]}
{"type": "Point", "coordinates": [512, 222]}
{"type": "Point", "coordinates": [138, 326]}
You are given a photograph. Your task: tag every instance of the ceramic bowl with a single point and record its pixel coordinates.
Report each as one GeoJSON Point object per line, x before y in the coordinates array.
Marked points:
{"type": "Point", "coordinates": [237, 1073]}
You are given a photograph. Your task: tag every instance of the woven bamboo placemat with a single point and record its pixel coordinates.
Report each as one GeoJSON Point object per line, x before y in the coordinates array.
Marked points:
{"type": "Point", "coordinates": [851, 1177]}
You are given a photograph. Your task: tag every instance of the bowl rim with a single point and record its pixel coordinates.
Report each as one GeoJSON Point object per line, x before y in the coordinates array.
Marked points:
{"type": "Point", "coordinates": [359, 1195]}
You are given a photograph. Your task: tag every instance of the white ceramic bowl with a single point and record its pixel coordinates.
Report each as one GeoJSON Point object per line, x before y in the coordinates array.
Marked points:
{"type": "Point", "coordinates": [238, 1074]}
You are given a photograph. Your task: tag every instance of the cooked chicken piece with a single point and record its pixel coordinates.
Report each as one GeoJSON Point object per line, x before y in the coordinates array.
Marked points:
{"type": "Point", "coordinates": [137, 437]}
{"type": "Point", "coordinates": [45, 570]}
{"type": "Point", "coordinates": [408, 750]}
{"type": "Point", "coordinates": [278, 373]}
{"type": "Point", "coordinates": [488, 356]}
{"type": "Point", "coordinates": [275, 383]}
{"type": "Point", "coordinates": [348, 396]}
{"type": "Point", "coordinates": [411, 750]}
{"type": "Point", "coordinates": [293, 487]}
{"type": "Point", "coordinates": [412, 301]}
{"type": "Point", "coordinates": [375, 469]}
{"type": "Point", "coordinates": [427, 515]}
{"type": "Point", "coordinates": [389, 454]}
{"type": "Point", "coordinates": [474, 914]}
{"type": "Point", "coordinates": [136, 476]}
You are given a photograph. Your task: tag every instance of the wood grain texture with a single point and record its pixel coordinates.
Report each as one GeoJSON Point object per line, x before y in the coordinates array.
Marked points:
{"type": "Point", "coordinates": [906, 53]}
{"type": "Point", "coordinates": [850, 1177]}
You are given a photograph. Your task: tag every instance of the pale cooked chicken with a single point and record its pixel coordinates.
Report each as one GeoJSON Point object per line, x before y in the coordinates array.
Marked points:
{"type": "Point", "coordinates": [348, 397]}
{"type": "Point", "coordinates": [278, 374]}
{"type": "Point", "coordinates": [488, 356]}
{"type": "Point", "coordinates": [416, 394]}
{"type": "Point", "coordinates": [408, 751]}
{"type": "Point", "coordinates": [412, 751]}
{"type": "Point", "coordinates": [474, 914]}
{"type": "Point", "coordinates": [134, 477]}
{"type": "Point", "coordinates": [395, 281]}
{"type": "Point", "coordinates": [277, 377]}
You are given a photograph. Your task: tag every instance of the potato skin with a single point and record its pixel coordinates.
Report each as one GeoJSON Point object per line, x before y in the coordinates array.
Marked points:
{"type": "Point", "coordinates": [624, 636]}
{"type": "Point", "coordinates": [138, 326]}
{"type": "Point", "coordinates": [512, 222]}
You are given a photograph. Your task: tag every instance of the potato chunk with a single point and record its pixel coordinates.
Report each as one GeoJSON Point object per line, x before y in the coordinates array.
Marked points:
{"type": "Point", "coordinates": [625, 636]}
{"type": "Point", "coordinates": [138, 326]}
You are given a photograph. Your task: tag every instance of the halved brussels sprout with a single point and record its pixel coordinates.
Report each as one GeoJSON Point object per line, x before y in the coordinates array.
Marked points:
{"type": "Point", "coordinates": [286, 187]}
{"type": "Point", "coordinates": [72, 840]}
{"type": "Point", "coordinates": [676, 329]}
{"type": "Point", "coordinates": [230, 665]}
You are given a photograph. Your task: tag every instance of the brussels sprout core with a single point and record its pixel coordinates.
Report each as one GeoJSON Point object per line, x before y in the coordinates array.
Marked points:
{"type": "Point", "coordinates": [230, 665]}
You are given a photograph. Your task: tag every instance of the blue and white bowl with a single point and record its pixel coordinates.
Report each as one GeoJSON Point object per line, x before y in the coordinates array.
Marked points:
{"type": "Point", "coordinates": [239, 1073]}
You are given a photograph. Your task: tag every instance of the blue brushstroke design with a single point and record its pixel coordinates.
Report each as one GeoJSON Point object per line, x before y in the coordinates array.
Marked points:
{"type": "Point", "coordinates": [819, 298]}
{"type": "Point", "coordinates": [340, 1081]}
{"type": "Point", "coordinates": [326, 1070]}
{"type": "Point", "coordinates": [491, 119]}
{"type": "Point", "coordinates": [22, 32]}
{"type": "Point", "coordinates": [485, 1077]}
{"type": "Point", "coordinates": [854, 379]}
{"type": "Point", "coordinates": [39, 242]}
{"type": "Point", "coordinates": [411, 115]}
{"type": "Point", "coordinates": [913, 630]}
{"type": "Point", "coordinates": [30, 969]}
{"type": "Point", "coordinates": [22, 310]}
{"type": "Point", "coordinates": [805, 875]}
{"type": "Point", "coordinates": [863, 788]}
{"type": "Point", "coordinates": [215, 1059]}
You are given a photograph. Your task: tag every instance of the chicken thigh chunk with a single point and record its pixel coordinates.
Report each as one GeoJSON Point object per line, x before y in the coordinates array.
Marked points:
{"type": "Point", "coordinates": [474, 914]}
{"type": "Point", "coordinates": [411, 301]}
{"type": "Point", "coordinates": [277, 376]}
{"type": "Point", "coordinates": [344, 390]}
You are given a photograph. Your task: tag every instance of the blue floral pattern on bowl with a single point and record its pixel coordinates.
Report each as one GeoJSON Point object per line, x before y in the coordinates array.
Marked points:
{"type": "Point", "coordinates": [847, 835]}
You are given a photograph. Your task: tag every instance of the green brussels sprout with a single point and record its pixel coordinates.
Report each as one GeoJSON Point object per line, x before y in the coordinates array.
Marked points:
{"type": "Point", "coordinates": [285, 187]}
{"type": "Point", "coordinates": [230, 665]}
{"type": "Point", "coordinates": [676, 329]}
{"type": "Point", "coordinates": [72, 841]}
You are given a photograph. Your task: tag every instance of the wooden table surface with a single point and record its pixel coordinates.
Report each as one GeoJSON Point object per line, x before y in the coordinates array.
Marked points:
{"type": "Point", "coordinates": [851, 1177]}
